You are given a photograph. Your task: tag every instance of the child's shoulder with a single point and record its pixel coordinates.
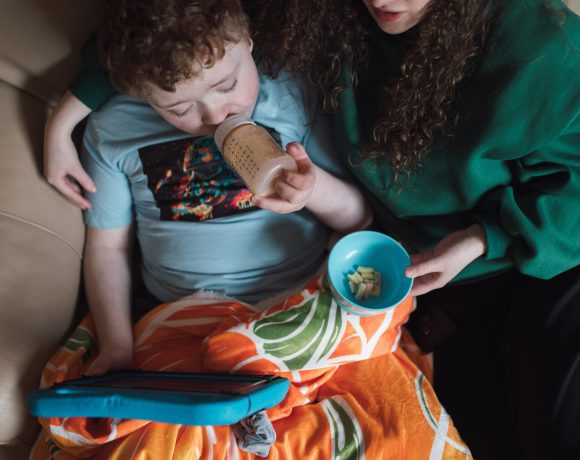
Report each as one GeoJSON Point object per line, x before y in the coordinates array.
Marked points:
{"type": "Point", "coordinates": [284, 94]}
{"type": "Point", "coordinates": [123, 117]}
{"type": "Point", "coordinates": [283, 105]}
{"type": "Point", "coordinates": [285, 85]}
{"type": "Point", "coordinates": [124, 124]}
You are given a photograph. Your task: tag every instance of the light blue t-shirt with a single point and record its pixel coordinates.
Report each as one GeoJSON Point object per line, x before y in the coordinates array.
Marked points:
{"type": "Point", "coordinates": [195, 224]}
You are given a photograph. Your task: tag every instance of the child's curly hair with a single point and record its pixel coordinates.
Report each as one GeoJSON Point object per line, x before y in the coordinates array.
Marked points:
{"type": "Point", "coordinates": [157, 42]}
{"type": "Point", "coordinates": [322, 37]}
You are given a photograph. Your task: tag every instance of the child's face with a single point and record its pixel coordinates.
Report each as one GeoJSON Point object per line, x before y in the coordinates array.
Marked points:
{"type": "Point", "coordinates": [396, 16]}
{"type": "Point", "coordinates": [201, 103]}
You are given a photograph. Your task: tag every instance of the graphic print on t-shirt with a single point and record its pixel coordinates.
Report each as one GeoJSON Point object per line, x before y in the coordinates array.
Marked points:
{"type": "Point", "coordinates": [190, 181]}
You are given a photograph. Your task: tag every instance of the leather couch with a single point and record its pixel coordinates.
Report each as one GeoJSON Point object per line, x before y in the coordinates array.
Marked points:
{"type": "Point", "coordinates": [41, 234]}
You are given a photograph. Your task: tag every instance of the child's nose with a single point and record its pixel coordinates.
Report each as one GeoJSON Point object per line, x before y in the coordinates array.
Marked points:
{"type": "Point", "coordinates": [214, 115]}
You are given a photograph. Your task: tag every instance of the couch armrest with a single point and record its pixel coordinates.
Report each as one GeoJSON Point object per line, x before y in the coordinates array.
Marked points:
{"type": "Point", "coordinates": [40, 43]}
{"type": "Point", "coordinates": [41, 241]}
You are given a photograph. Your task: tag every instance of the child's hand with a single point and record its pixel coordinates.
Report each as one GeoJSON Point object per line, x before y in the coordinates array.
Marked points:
{"type": "Point", "coordinates": [117, 359]}
{"type": "Point", "coordinates": [293, 189]}
{"type": "Point", "coordinates": [63, 170]}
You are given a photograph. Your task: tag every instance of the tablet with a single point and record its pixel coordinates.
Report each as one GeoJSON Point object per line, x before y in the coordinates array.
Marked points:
{"type": "Point", "coordinates": [170, 397]}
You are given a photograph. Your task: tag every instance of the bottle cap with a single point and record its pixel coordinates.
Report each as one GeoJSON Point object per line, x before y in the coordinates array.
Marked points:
{"type": "Point", "coordinates": [226, 126]}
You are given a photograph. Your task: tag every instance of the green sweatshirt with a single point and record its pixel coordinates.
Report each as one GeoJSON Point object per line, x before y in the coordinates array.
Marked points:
{"type": "Point", "coordinates": [92, 86]}
{"type": "Point", "coordinates": [511, 164]}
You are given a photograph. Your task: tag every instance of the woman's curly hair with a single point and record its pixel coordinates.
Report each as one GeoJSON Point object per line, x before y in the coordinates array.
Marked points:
{"type": "Point", "coordinates": [322, 37]}
{"type": "Point", "coordinates": [157, 42]}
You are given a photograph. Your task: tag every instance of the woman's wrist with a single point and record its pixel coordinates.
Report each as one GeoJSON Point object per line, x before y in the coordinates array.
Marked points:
{"type": "Point", "coordinates": [67, 114]}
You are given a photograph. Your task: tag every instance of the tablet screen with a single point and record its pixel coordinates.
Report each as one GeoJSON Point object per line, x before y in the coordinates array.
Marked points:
{"type": "Point", "coordinates": [187, 384]}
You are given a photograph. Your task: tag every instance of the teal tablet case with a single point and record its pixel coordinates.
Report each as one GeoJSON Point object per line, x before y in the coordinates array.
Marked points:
{"type": "Point", "coordinates": [171, 397]}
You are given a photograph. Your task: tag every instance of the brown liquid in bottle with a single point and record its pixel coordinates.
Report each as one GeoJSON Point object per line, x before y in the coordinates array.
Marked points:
{"type": "Point", "coordinates": [252, 153]}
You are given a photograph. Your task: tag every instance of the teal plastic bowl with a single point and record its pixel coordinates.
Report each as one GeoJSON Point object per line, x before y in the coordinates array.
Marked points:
{"type": "Point", "coordinates": [370, 249]}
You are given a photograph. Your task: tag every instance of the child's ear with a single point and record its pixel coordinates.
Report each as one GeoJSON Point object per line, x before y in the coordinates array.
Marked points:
{"type": "Point", "coordinates": [250, 44]}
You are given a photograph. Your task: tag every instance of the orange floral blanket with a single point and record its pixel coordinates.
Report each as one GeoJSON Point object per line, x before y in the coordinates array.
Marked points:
{"type": "Point", "coordinates": [357, 389]}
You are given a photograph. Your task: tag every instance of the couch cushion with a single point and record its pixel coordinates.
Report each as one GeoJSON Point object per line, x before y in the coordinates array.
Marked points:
{"type": "Point", "coordinates": [25, 194]}
{"type": "Point", "coordinates": [40, 43]}
{"type": "Point", "coordinates": [38, 287]}
{"type": "Point", "coordinates": [41, 241]}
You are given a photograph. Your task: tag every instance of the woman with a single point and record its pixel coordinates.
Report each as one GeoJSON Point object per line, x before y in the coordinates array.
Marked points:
{"type": "Point", "coordinates": [461, 118]}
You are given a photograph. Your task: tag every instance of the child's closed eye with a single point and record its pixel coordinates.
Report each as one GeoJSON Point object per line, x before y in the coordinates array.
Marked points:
{"type": "Point", "coordinates": [181, 114]}
{"type": "Point", "coordinates": [231, 88]}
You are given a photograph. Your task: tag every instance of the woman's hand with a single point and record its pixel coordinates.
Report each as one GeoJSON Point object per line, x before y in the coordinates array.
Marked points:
{"type": "Point", "coordinates": [434, 269]}
{"type": "Point", "coordinates": [62, 167]}
{"type": "Point", "coordinates": [63, 170]}
{"type": "Point", "coordinates": [293, 189]}
{"type": "Point", "coordinates": [112, 359]}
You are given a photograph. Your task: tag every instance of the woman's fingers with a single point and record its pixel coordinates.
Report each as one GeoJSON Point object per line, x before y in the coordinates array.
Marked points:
{"type": "Point", "coordinates": [426, 283]}
{"type": "Point", "coordinates": [422, 264]}
{"type": "Point", "coordinates": [429, 272]}
{"type": "Point", "coordinates": [72, 192]}
{"type": "Point", "coordinates": [83, 179]}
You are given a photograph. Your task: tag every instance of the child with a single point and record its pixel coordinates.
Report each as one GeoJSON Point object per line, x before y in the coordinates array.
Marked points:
{"type": "Point", "coordinates": [184, 69]}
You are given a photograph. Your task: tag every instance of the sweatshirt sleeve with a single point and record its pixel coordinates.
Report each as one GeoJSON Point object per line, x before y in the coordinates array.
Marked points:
{"type": "Point", "coordinates": [535, 220]}
{"type": "Point", "coordinates": [92, 86]}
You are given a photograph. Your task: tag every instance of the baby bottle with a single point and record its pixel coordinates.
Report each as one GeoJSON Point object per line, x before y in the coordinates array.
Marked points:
{"type": "Point", "coordinates": [252, 153]}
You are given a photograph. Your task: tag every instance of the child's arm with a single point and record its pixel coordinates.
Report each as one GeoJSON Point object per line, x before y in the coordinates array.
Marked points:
{"type": "Point", "coordinates": [62, 167]}
{"type": "Point", "coordinates": [337, 203]}
{"type": "Point", "coordinates": [107, 273]}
